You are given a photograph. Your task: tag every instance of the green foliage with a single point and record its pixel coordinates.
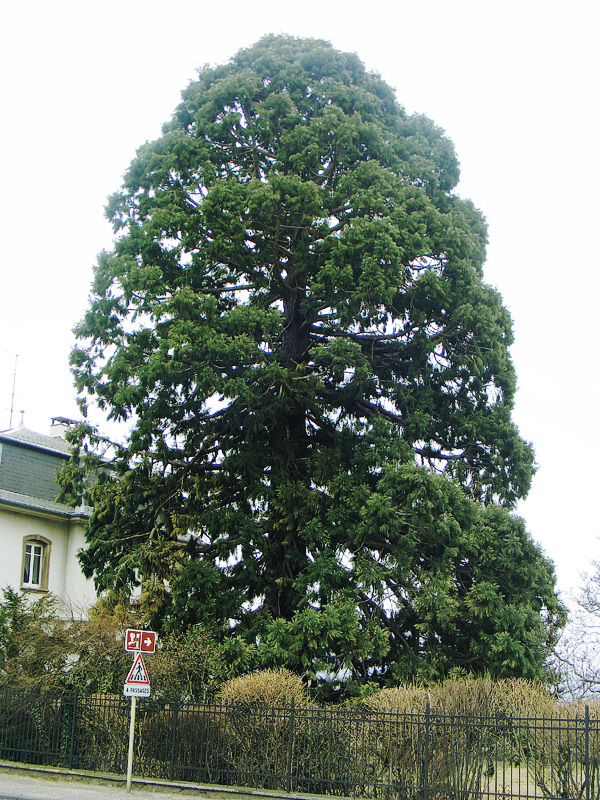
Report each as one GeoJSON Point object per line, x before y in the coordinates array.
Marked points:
{"type": "Point", "coordinates": [190, 665]}
{"type": "Point", "coordinates": [34, 649]}
{"type": "Point", "coordinates": [98, 662]}
{"type": "Point", "coordinates": [40, 649]}
{"type": "Point", "coordinates": [294, 323]}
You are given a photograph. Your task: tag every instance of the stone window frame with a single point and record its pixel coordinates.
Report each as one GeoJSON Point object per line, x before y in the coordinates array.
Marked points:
{"type": "Point", "coordinates": [46, 544]}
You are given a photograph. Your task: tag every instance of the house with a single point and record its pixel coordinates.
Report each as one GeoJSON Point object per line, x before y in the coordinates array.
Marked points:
{"type": "Point", "coordinates": [39, 537]}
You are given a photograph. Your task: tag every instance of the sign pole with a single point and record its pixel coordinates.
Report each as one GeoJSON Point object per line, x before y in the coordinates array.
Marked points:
{"type": "Point", "coordinates": [136, 682]}
{"type": "Point", "coordinates": [130, 754]}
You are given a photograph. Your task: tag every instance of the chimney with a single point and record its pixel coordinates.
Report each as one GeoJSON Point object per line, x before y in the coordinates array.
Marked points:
{"type": "Point", "coordinates": [60, 425]}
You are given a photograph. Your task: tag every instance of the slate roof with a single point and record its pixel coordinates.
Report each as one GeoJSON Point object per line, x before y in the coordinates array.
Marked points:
{"type": "Point", "coordinates": [55, 444]}
{"type": "Point", "coordinates": [29, 463]}
{"type": "Point", "coordinates": [36, 504]}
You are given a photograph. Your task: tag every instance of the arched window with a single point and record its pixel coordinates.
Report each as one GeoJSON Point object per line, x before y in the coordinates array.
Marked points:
{"type": "Point", "coordinates": [36, 562]}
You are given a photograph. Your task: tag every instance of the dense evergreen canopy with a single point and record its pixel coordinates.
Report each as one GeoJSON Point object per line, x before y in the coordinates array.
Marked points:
{"type": "Point", "coordinates": [294, 321]}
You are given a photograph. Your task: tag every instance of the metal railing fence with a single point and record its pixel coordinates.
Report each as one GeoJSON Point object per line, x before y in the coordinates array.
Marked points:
{"type": "Point", "coordinates": [329, 751]}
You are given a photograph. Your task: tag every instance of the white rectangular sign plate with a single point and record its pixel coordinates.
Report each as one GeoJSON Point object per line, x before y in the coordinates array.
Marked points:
{"type": "Point", "coordinates": [130, 690]}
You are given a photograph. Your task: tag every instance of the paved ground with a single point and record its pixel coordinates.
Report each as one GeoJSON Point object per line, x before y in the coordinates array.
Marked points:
{"type": "Point", "coordinates": [17, 786]}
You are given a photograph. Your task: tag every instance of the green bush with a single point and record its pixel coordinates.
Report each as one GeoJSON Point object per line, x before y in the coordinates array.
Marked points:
{"type": "Point", "coordinates": [42, 649]}
{"type": "Point", "coordinates": [35, 644]}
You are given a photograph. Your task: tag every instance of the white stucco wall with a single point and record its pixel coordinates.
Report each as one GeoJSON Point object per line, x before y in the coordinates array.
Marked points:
{"type": "Point", "coordinates": [79, 592]}
{"type": "Point", "coordinates": [65, 579]}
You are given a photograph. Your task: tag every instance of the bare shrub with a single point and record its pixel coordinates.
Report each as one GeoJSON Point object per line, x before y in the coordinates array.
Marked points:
{"type": "Point", "coordinates": [470, 697]}
{"type": "Point", "coordinates": [257, 723]}
{"type": "Point", "coordinates": [395, 741]}
{"type": "Point", "coordinates": [398, 700]}
{"type": "Point", "coordinates": [441, 734]}
{"type": "Point", "coordinates": [196, 735]}
{"type": "Point", "coordinates": [270, 687]}
{"type": "Point", "coordinates": [518, 704]}
{"type": "Point", "coordinates": [562, 751]}
{"type": "Point", "coordinates": [517, 697]}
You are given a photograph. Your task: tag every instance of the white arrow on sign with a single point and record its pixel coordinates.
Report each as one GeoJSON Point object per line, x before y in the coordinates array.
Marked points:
{"type": "Point", "coordinates": [136, 640]}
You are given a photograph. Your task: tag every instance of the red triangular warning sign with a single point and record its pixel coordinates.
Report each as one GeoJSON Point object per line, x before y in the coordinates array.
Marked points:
{"type": "Point", "coordinates": [137, 673]}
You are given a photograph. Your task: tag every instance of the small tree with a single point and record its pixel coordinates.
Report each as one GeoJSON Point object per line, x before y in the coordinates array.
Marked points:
{"type": "Point", "coordinates": [576, 658]}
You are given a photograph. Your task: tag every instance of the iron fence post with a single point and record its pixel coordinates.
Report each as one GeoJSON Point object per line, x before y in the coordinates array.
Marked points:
{"type": "Point", "coordinates": [174, 738]}
{"type": "Point", "coordinates": [426, 761]}
{"type": "Point", "coordinates": [75, 696]}
{"type": "Point", "coordinates": [290, 748]}
{"type": "Point", "coordinates": [587, 753]}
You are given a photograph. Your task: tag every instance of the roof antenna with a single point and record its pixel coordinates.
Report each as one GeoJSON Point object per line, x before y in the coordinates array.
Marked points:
{"type": "Point", "coordinates": [12, 399]}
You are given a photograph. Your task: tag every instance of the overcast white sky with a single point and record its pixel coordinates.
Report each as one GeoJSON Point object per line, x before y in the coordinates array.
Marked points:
{"type": "Point", "coordinates": [515, 86]}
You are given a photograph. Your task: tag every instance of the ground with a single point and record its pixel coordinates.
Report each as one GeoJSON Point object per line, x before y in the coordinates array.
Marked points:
{"type": "Point", "coordinates": [42, 785]}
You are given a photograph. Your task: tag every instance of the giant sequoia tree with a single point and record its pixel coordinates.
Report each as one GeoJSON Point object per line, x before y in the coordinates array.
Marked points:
{"type": "Point", "coordinates": [294, 321]}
